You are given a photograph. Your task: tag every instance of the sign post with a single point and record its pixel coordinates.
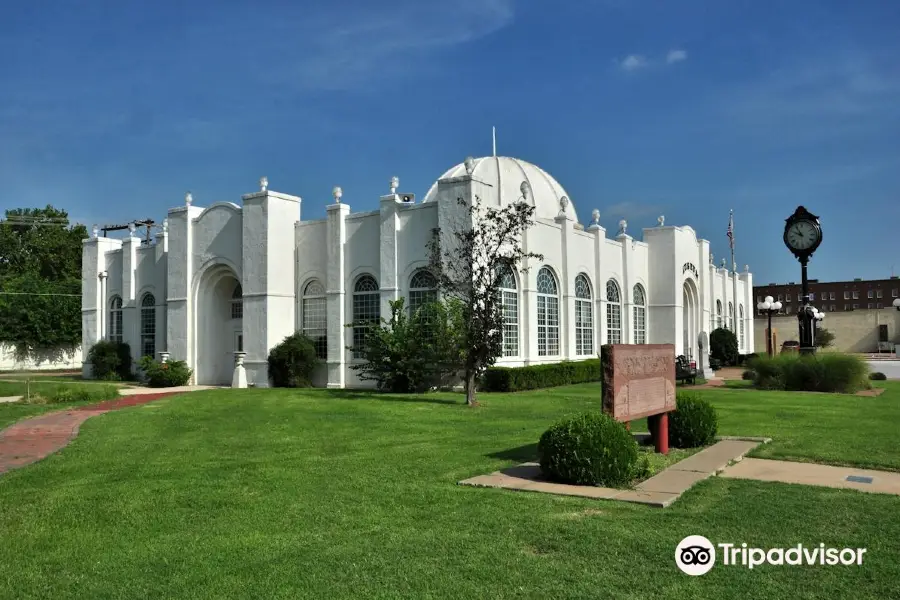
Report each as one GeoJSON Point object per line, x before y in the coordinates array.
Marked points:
{"type": "Point", "coordinates": [638, 382]}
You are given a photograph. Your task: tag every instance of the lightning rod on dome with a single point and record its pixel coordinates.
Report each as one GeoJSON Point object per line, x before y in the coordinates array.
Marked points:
{"type": "Point", "coordinates": [494, 134]}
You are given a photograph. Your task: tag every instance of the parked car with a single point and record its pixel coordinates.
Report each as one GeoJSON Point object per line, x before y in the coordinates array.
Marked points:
{"type": "Point", "coordinates": [790, 346]}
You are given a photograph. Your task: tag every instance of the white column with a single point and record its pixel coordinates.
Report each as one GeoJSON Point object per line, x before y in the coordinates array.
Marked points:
{"type": "Point", "coordinates": [566, 287]}
{"type": "Point", "coordinates": [339, 337]}
{"type": "Point", "coordinates": [599, 316]}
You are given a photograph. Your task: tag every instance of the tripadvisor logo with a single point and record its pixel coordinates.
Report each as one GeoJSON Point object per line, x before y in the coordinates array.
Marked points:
{"type": "Point", "coordinates": [696, 555]}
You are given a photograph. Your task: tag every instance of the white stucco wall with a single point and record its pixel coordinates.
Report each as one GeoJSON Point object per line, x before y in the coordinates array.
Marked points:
{"type": "Point", "coordinates": [264, 245]}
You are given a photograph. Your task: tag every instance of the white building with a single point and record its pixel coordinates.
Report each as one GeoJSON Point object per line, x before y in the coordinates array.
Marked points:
{"type": "Point", "coordinates": [240, 278]}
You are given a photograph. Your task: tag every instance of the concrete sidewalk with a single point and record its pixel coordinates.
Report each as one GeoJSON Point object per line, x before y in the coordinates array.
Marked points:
{"type": "Point", "coordinates": [864, 480]}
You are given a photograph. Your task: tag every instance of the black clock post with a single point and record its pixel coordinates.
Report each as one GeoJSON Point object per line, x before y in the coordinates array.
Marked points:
{"type": "Point", "coordinates": [802, 236]}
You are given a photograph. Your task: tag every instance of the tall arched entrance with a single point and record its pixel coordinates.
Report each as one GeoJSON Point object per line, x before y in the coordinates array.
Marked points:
{"type": "Point", "coordinates": [218, 318]}
{"type": "Point", "coordinates": [690, 319]}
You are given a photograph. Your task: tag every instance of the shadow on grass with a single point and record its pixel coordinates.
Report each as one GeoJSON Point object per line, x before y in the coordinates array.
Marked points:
{"type": "Point", "coordinates": [526, 453]}
{"type": "Point", "coordinates": [384, 397]}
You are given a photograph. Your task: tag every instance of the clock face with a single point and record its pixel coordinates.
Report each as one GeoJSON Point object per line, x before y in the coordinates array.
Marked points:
{"type": "Point", "coordinates": [802, 235]}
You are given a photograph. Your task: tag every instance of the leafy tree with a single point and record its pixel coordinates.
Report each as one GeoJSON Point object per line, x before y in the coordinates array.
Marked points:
{"type": "Point", "coordinates": [824, 338]}
{"type": "Point", "coordinates": [723, 347]}
{"type": "Point", "coordinates": [413, 353]}
{"type": "Point", "coordinates": [468, 261]}
{"type": "Point", "coordinates": [40, 279]}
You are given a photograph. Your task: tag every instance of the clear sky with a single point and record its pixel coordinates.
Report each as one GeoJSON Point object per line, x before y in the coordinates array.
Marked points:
{"type": "Point", "coordinates": [112, 109]}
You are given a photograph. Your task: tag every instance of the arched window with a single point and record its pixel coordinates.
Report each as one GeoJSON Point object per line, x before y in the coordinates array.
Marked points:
{"type": "Point", "coordinates": [366, 312]}
{"type": "Point", "coordinates": [731, 316]}
{"type": "Point", "coordinates": [613, 313]}
{"type": "Point", "coordinates": [509, 302]}
{"type": "Point", "coordinates": [115, 319]}
{"type": "Point", "coordinates": [718, 314]}
{"type": "Point", "coordinates": [237, 303]}
{"type": "Point", "coordinates": [741, 324]}
{"type": "Point", "coordinates": [148, 325]}
{"type": "Point", "coordinates": [547, 313]}
{"type": "Point", "coordinates": [640, 315]}
{"type": "Point", "coordinates": [584, 316]}
{"type": "Point", "coordinates": [422, 290]}
{"type": "Point", "coordinates": [313, 315]}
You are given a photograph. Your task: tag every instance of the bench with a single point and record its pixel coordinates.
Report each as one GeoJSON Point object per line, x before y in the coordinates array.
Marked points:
{"type": "Point", "coordinates": [684, 371]}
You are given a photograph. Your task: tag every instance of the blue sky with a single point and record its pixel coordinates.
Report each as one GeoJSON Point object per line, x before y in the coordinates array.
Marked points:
{"type": "Point", "coordinates": [113, 109]}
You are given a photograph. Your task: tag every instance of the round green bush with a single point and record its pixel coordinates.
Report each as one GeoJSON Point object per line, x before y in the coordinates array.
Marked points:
{"type": "Point", "coordinates": [291, 362]}
{"type": "Point", "coordinates": [694, 422]}
{"type": "Point", "coordinates": [748, 375]}
{"type": "Point", "coordinates": [589, 449]}
{"type": "Point", "coordinates": [878, 376]}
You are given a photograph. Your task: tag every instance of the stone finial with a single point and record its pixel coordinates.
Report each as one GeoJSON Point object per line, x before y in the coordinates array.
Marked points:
{"type": "Point", "coordinates": [595, 217]}
{"type": "Point", "coordinates": [661, 220]}
{"type": "Point", "coordinates": [95, 231]}
{"type": "Point", "coordinates": [165, 226]}
{"type": "Point", "coordinates": [263, 183]}
{"type": "Point", "coordinates": [525, 188]}
{"type": "Point", "coordinates": [337, 192]}
{"type": "Point", "coordinates": [563, 205]}
{"type": "Point", "coordinates": [746, 268]}
{"type": "Point", "coordinates": [131, 228]}
{"type": "Point", "coordinates": [723, 263]}
{"type": "Point", "coordinates": [470, 165]}
{"type": "Point", "coordinates": [712, 259]}
{"type": "Point", "coordinates": [623, 226]}
{"type": "Point", "coordinates": [395, 183]}
{"type": "Point", "coordinates": [188, 199]}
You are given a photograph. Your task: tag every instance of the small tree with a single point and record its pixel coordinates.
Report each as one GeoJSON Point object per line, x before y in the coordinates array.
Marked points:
{"type": "Point", "coordinates": [468, 262]}
{"type": "Point", "coordinates": [824, 338]}
{"type": "Point", "coordinates": [723, 346]}
{"type": "Point", "coordinates": [412, 353]}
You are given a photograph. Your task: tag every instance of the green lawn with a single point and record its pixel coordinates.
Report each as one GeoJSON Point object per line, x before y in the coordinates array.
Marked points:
{"type": "Point", "coordinates": [17, 388]}
{"type": "Point", "coordinates": [282, 494]}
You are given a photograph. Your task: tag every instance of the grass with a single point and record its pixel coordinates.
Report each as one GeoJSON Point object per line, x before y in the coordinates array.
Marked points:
{"type": "Point", "coordinates": [17, 388]}
{"type": "Point", "coordinates": [11, 412]}
{"type": "Point", "coordinates": [329, 494]}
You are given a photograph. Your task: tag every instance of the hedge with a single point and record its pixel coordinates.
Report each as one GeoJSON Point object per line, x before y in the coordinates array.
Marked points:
{"type": "Point", "coordinates": [533, 377]}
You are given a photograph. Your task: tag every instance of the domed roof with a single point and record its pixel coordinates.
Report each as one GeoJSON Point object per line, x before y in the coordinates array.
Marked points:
{"type": "Point", "coordinates": [506, 175]}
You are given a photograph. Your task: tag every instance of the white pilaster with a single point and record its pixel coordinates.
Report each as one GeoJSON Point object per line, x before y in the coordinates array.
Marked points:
{"type": "Point", "coordinates": [388, 279]}
{"type": "Point", "coordinates": [566, 289]}
{"type": "Point", "coordinates": [599, 316]}
{"type": "Point", "coordinates": [339, 336]}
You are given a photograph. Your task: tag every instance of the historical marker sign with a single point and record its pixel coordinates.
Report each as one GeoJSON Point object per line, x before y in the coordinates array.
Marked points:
{"type": "Point", "coordinates": [638, 380]}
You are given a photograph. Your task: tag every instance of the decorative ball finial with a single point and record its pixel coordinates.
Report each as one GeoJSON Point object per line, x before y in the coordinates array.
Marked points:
{"type": "Point", "coordinates": [595, 217]}
{"type": "Point", "coordinates": [95, 231]}
{"type": "Point", "coordinates": [395, 183]}
{"type": "Point", "coordinates": [337, 192]}
{"type": "Point", "coordinates": [723, 263]}
{"type": "Point", "coordinates": [263, 183]}
{"type": "Point", "coordinates": [470, 165]}
{"type": "Point", "coordinates": [188, 198]}
{"type": "Point", "coordinates": [746, 268]}
{"type": "Point", "coordinates": [165, 225]}
{"type": "Point", "coordinates": [525, 188]}
{"type": "Point", "coordinates": [712, 259]}
{"type": "Point", "coordinates": [563, 204]}
{"type": "Point", "coordinates": [661, 220]}
{"type": "Point", "coordinates": [623, 226]}
{"type": "Point", "coordinates": [131, 228]}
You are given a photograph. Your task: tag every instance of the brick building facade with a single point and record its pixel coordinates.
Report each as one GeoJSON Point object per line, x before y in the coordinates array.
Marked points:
{"type": "Point", "coordinates": [833, 296]}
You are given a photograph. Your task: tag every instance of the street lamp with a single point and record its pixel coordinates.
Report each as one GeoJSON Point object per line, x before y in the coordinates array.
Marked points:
{"type": "Point", "coordinates": [896, 303]}
{"type": "Point", "coordinates": [770, 307]}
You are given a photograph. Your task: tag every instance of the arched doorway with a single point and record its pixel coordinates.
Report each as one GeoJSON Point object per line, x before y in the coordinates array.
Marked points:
{"type": "Point", "coordinates": [690, 319]}
{"type": "Point", "coordinates": [218, 316]}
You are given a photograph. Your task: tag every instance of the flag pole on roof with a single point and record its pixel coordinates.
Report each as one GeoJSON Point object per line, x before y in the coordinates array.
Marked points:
{"type": "Point", "coordinates": [494, 132]}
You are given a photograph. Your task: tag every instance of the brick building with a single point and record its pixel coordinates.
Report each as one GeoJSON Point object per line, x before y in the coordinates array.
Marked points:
{"type": "Point", "coordinates": [833, 296]}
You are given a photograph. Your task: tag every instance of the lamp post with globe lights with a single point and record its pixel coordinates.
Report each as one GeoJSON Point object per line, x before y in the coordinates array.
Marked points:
{"type": "Point", "coordinates": [769, 306]}
{"type": "Point", "coordinates": [896, 303]}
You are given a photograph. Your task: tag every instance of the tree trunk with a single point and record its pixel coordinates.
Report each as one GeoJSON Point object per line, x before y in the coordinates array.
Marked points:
{"type": "Point", "coordinates": [470, 387]}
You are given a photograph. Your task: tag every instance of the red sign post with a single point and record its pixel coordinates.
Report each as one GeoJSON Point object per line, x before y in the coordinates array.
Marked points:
{"type": "Point", "coordinates": [638, 382]}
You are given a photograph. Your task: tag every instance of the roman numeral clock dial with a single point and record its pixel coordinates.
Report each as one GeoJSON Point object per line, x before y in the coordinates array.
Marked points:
{"type": "Point", "coordinates": [802, 234]}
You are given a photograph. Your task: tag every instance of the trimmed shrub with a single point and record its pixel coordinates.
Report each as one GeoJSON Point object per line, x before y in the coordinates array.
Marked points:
{"type": "Point", "coordinates": [110, 361]}
{"type": "Point", "coordinates": [878, 376]}
{"type": "Point", "coordinates": [63, 394]}
{"type": "Point", "coordinates": [744, 359]}
{"type": "Point", "coordinates": [291, 362]}
{"type": "Point", "coordinates": [828, 372]}
{"type": "Point", "coordinates": [693, 423]}
{"type": "Point", "coordinates": [590, 448]}
{"type": "Point", "coordinates": [723, 347]}
{"type": "Point", "coordinates": [748, 375]}
{"type": "Point", "coordinates": [714, 363]}
{"type": "Point", "coordinates": [533, 377]}
{"type": "Point", "coordinates": [173, 373]}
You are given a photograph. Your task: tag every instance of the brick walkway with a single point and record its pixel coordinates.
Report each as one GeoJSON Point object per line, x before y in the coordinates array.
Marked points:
{"type": "Point", "coordinates": [31, 440]}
